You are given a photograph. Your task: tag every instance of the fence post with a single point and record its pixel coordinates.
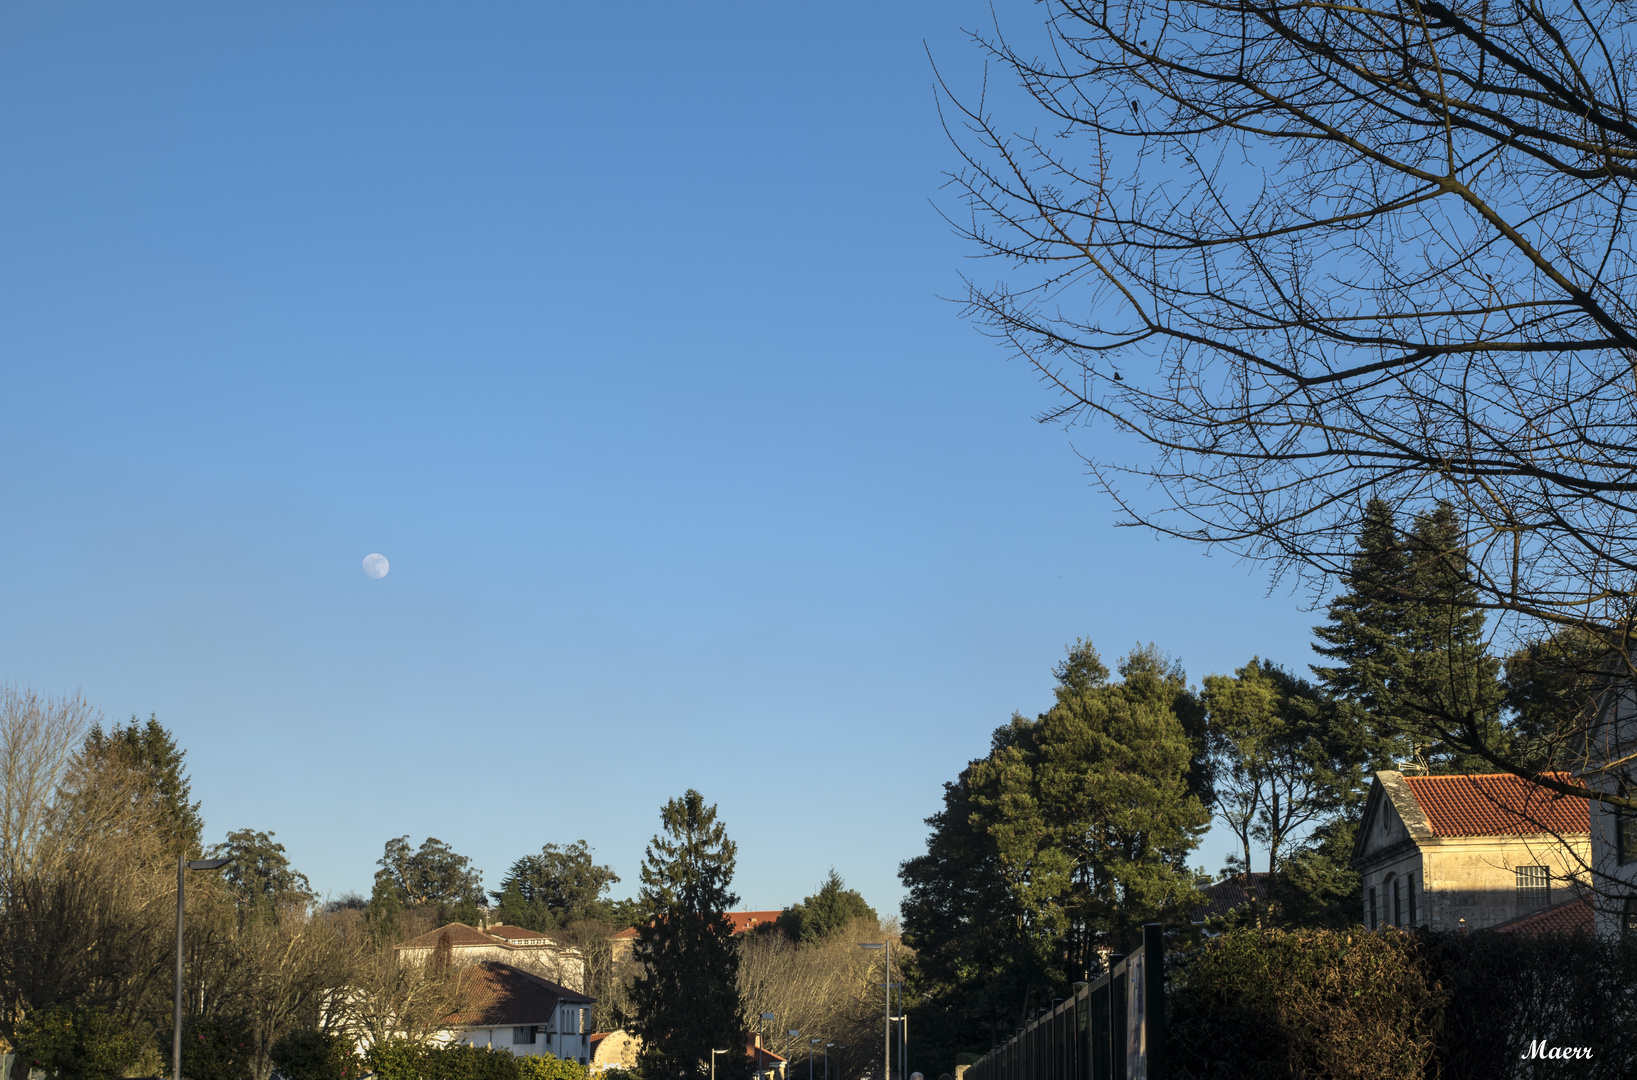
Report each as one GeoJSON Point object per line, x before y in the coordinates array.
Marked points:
{"type": "Point", "coordinates": [1117, 980]}
{"type": "Point", "coordinates": [1153, 947]}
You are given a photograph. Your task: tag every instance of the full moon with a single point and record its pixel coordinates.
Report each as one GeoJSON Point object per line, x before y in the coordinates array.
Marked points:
{"type": "Point", "coordinates": [375, 565]}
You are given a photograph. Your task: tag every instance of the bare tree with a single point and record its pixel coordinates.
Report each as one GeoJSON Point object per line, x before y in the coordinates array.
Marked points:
{"type": "Point", "coordinates": [1307, 254]}
{"type": "Point", "coordinates": [38, 739]}
{"type": "Point", "coordinates": [829, 989]}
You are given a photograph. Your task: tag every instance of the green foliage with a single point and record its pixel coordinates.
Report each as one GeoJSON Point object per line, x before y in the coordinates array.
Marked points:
{"type": "Point", "coordinates": [1316, 886]}
{"type": "Point", "coordinates": [687, 996]}
{"type": "Point", "coordinates": [1284, 763]}
{"type": "Point", "coordinates": [432, 874]}
{"type": "Point", "coordinates": [1411, 669]}
{"type": "Point", "coordinates": [148, 754]}
{"type": "Point", "coordinates": [73, 1043]}
{"type": "Point", "coordinates": [260, 874]}
{"type": "Point", "coordinates": [317, 1055]}
{"type": "Point", "coordinates": [560, 885]}
{"type": "Point", "coordinates": [1346, 1005]}
{"type": "Point", "coordinates": [396, 1059]}
{"type": "Point", "coordinates": [1553, 688]}
{"type": "Point", "coordinates": [550, 1067]}
{"type": "Point", "coordinates": [832, 908]}
{"type": "Point", "coordinates": [1071, 833]}
{"type": "Point", "coordinates": [1356, 1004]}
{"type": "Point", "coordinates": [384, 912]}
{"type": "Point", "coordinates": [215, 1048]}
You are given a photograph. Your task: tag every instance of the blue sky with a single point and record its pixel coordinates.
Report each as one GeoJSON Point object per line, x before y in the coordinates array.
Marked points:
{"type": "Point", "coordinates": [620, 333]}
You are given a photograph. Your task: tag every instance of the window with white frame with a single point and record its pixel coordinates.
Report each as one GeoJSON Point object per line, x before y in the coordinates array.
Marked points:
{"type": "Point", "coordinates": [1534, 886]}
{"type": "Point", "coordinates": [522, 1035]}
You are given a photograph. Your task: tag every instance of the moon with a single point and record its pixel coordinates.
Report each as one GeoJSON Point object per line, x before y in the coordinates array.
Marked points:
{"type": "Point", "coordinates": [375, 565]}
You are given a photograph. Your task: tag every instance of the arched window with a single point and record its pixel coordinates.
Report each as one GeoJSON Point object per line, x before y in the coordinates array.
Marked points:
{"type": "Point", "coordinates": [1372, 907]}
{"type": "Point", "coordinates": [1409, 890]}
{"type": "Point", "coordinates": [1392, 896]}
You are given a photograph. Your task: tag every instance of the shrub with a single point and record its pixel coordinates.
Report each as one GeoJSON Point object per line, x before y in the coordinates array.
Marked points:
{"type": "Point", "coordinates": [551, 1067]}
{"type": "Point", "coordinates": [396, 1059]}
{"type": "Point", "coordinates": [1304, 1003]}
{"type": "Point", "coordinates": [316, 1055]}
{"type": "Point", "coordinates": [214, 1048]}
{"type": "Point", "coordinates": [462, 1062]}
{"type": "Point", "coordinates": [72, 1043]}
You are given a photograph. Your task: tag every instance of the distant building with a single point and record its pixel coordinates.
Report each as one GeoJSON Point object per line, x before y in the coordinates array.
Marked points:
{"type": "Point", "coordinates": [1233, 892]}
{"type": "Point", "coordinates": [518, 1011]}
{"type": "Point", "coordinates": [527, 949]}
{"type": "Point", "coordinates": [743, 921]}
{"type": "Point", "coordinates": [1468, 852]}
{"type": "Point", "coordinates": [614, 1049]}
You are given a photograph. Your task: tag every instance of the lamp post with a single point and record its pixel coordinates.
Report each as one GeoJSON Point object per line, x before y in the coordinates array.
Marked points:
{"type": "Point", "coordinates": [827, 1060]}
{"type": "Point", "coordinates": [713, 1061]}
{"type": "Point", "coordinates": [811, 1043]}
{"type": "Point", "coordinates": [183, 865]}
{"type": "Point", "coordinates": [886, 981]}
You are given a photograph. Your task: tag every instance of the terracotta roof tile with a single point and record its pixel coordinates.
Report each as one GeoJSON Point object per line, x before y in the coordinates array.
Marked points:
{"type": "Point", "coordinates": [1495, 804]}
{"type": "Point", "coordinates": [741, 920]}
{"type": "Point", "coordinates": [1574, 917]}
{"type": "Point", "coordinates": [458, 933]}
{"type": "Point", "coordinates": [499, 995]}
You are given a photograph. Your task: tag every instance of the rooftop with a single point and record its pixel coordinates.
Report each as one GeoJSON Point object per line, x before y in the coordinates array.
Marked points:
{"type": "Point", "coordinates": [1495, 804]}
{"type": "Point", "coordinates": [458, 934]}
{"type": "Point", "coordinates": [1573, 917]}
{"type": "Point", "coordinates": [499, 995]}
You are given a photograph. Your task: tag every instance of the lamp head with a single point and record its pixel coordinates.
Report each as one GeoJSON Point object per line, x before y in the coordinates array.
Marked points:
{"type": "Point", "coordinates": [208, 864]}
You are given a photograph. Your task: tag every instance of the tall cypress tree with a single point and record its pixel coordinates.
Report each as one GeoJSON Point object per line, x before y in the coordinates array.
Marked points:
{"type": "Point", "coordinates": [687, 997]}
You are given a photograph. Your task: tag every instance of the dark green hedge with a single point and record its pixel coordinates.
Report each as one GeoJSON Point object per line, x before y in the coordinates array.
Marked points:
{"type": "Point", "coordinates": [1263, 1004]}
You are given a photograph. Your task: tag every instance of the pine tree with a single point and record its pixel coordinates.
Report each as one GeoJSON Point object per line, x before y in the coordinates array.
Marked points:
{"type": "Point", "coordinates": [1452, 689]}
{"type": "Point", "coordinates": [144, 761]}
{"type": "Point", "coordinates": [1413, 674]}
{"type": "Point", "coordinates": [1366, 638]}
{"type": "Point", "coordinates": [687, 998]}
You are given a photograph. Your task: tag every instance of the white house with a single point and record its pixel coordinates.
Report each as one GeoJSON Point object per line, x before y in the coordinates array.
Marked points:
{"type": "Point", "coordinates": [522, 1013]}
{"type": "Point", "coordinates": [527, 949]}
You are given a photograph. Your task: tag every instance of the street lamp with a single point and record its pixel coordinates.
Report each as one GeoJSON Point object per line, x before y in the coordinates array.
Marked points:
{"type": "Point", "coordinates": [811, 1042]}
{"type": "Point", "coordinates": [886, 1057]}
{"type": "Point", "coordinates": [713, 1061]}
{"type": "Point", "coordinates": [183, 864]}
{"type": "Point", "coordinates": [827, 1060]}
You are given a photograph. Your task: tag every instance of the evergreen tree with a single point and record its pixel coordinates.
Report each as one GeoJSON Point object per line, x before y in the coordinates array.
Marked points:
{"type": "Point", "coordinates": [1071, 833]}
{"type": "Point", "coordinates": [832, 908]}
{"type": "Point", "coordinates": [554, 888]}
{"type": "Point", "coordinates": [1366, 637]}
{"type": "Point", "coordinates": [687, 998]}
{"type": "Point", "coordinates": [144, 760]}
{"type": "Point", "coordinates": [260, 874]}
{"type": "Point", "coordinates": [1412, 673]}
{"type": "Point", "coordinates": [433, 874]}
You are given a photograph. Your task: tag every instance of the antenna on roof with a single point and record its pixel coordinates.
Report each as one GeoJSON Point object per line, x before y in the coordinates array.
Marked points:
{"type": "Point", "coordinates": [1418, 760]}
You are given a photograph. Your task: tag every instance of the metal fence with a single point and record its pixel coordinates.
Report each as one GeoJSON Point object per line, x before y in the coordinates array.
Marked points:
{"type": "Point", "coordinates": [1111, 1029]}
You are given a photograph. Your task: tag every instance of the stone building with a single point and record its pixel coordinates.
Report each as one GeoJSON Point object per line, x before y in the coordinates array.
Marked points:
{"type": "Point", "coordinates": [507, 1008]}
{"type": "Point", "coordinates": [1454, 852]}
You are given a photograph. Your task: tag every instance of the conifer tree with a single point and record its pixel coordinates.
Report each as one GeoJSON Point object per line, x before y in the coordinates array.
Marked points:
{"type": "Point", "coordinates": [1412, 673]}
{"type": "Point", "coordinates": [687, 998]}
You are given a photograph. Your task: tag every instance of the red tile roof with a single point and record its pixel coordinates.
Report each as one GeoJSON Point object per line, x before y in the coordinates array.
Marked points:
{"type": "Point", "coordinates": [1573, 917]}
{"type": "Point", "coordinates": [458, 934]}
{"type": "Point", "coordinates": [1496, 804]}
{"type": "Point", "coordinates": [741, 920]}
{"type": "Point", "coordinates": [499, 995]}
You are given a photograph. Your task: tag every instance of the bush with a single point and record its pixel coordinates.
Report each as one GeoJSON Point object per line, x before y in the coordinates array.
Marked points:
{"type": "Point", "coordinates": [396, 1059]}
{"type": "Point", "coordinates": [1506, 991]}
{"type": "Point", "coordinates": [71, 1043]}
{"type": "Point", "coordinates": [1272, 1003]}
{"type": "Point", "coordinates": [551, 1067]}
{"type": "Point", "coordinates": [1266, 1003]}
{"type": "Point", "coordinates": [214, 1048]}
{"type": "Point", "coordinates": [316, 1055]}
